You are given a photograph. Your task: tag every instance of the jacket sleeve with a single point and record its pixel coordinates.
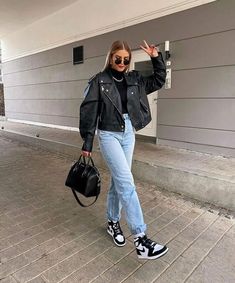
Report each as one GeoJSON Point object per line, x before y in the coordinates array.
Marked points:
{"type": "Point", "coordinates": [89, 112]}
{"type": "Point", "coordinates": [155, 81]}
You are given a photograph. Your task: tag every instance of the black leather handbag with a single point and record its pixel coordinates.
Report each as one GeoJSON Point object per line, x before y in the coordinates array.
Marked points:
{"type": "Point", "coordinates": [84, 178]}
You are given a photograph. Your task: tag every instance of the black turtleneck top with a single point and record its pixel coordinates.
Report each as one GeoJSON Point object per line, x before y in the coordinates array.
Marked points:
{"type": "Point", "coordinates": [121, 85]}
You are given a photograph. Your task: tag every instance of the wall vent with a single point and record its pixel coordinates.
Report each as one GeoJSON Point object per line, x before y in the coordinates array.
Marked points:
{"type": "Point", "coordinates": [78, 55]}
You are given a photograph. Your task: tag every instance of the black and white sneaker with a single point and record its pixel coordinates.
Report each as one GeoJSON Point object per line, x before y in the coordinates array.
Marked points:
{"type": "Point", "coordinates": [148, 249]}
{"type": "Point", "coordinates": [115, 231]}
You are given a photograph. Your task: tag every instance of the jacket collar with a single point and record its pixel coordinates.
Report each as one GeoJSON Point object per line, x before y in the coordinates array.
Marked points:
{"type": "Point", "coordinates": [131, 79]}
{"type": "Point", "coordinates": [105, 77]}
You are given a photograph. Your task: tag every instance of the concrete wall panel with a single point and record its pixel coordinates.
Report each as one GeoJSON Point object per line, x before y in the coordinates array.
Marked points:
{"type": "Point", "coordinates": [210, 50]}
{"type": "Point", "coordinates": [218, 114]}
{"type": "Point", "coordinates": [199, 136]}
{"type": "Point", "coordinates": [65, 108]}
{"type": "Point", "coordinates": [52, 91]}
{"type": "Point", "coordinates": [51, 57]}
{"type": "Point", "coordinates": [216, 82]}
{"type": "Point", "coordinates": [55, 73]}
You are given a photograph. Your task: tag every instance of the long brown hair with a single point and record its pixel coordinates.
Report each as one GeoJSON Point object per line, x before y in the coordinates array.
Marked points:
{"type": "Point", "coordinates": [115, 47]}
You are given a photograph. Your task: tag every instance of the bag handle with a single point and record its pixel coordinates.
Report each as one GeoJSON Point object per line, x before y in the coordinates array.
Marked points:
{"type": "Point", "coordinates": [78, 200]}
{"type": "Point", "coordinates": [89, 159]}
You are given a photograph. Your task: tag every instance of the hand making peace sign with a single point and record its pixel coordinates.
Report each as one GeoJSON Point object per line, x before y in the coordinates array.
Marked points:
{"type": "Point", "coordinates": [151, 50]}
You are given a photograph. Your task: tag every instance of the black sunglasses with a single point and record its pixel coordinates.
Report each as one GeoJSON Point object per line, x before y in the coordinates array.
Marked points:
{"type": "Point", "coordinates": [119, 61]}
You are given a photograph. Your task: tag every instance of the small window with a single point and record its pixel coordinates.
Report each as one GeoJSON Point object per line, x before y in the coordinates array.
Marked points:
{"type": "Point", "coordinates": [78, 55]}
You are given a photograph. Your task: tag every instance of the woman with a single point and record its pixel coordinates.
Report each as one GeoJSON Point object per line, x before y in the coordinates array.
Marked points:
{"type": "Point", "coordinates": [116, 100]}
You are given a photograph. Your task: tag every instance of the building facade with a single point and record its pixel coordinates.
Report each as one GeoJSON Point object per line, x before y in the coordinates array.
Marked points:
{"type": "Point", "coordinates": [197, 112]}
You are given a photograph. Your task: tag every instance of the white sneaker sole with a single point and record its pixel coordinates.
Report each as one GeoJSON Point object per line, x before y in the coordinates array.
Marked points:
{"type": "Point", "coordinates": [119, 245]}
{"type": "Point", "coordinates": [153, 257]}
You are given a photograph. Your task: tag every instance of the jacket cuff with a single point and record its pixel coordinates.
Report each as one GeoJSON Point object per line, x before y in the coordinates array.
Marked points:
{"type": "Point", "coordinates": [158, 62]}
{"type": "Point", "coordinates": [87, 147]}
{"type": "Point", "coordinates": [88, 144]}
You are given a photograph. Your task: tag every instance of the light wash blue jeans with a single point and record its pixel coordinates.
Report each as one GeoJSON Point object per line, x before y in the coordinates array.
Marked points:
{"type": "Point", "coordinates": [117, 150]}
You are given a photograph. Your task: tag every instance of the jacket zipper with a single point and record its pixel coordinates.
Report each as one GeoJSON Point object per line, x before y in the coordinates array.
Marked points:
{"type": "Point", "coordinates": [115, 107]}
{"type": "Point", "coordinates": [113, 103]}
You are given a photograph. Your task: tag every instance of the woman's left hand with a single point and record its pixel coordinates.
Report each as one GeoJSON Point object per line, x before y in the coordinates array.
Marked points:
{"type": "Point", "coordinates": [151, 49]}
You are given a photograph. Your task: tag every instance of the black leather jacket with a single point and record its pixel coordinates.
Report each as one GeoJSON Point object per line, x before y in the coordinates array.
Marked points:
{"type": "Point", "coordinates": [102, 102]}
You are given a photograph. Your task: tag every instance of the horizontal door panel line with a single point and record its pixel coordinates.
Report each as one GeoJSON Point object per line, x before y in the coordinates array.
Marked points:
{"type": "Point", "coordinates": [41, 114]}
{"type": "Point", "coordinates": [199, 128]}
{"type": "Point", "coordinates": [220, 146]}
{"type": "Point", "coordinates": [44, 83]}
{"type": "Point", "coordinates": [203, 67]}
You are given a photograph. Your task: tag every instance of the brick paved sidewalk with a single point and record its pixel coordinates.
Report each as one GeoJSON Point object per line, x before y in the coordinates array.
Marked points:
{"type": "Point", "coordinates": [46, 237]}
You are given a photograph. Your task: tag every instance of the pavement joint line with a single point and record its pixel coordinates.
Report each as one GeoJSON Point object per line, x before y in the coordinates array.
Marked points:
{"type": "Point", "coordinates": [184, 227]}
{"type": "Point", "coordinates": [44, 278]}
{"type": "Point", "coordinates": [64, 244]}
{"type": "Point", "coordinates": [6, 238]}
{"type": "Point", "coordinates": [151, 209]}
{"type": "Point", "coordinates": [173, 221]}
{"type": "Point", "coordinates": [93, 259]}
{"type": "Point", "coordinates": [208, 253]}
{"type": "Point", "coordinates": [164, 202]}
{"type": "Point", "coordinates": [102, 277]}
{"type": "Point", "coordinates": [57, 262]}
{"type": "Point", "coordinates": [33, 235]}
{"type": "Point", "coordinates": [50, 218]}
{"type": "Point", "coordinates": [126, 255]}
{"type": "Point", "coordinates": [185, 249]}
{"type": "Point", "coordinates": [18, 224]}
{"type": "Point", "coordinates": [30, 248]}
{"type": "Point", "coordinates": [172, 239]}
{"type": "Point", "coordinates": [166, 242]}
{"type": "Point", "coordinates": [160, 205]}
{"type": "Point", "coordinates": [138, 267]}
{"type": "Point", "coordinates": [85, 265]}
{"type": "Point", "coordinates": [33, 227]}
{"type": "Point", "coordinates": [11, 274]}
{"type": "Point", "coordinates": [75, 238]}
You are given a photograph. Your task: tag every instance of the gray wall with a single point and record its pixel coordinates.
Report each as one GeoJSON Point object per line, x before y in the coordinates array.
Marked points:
{"type": "Point", "coordinates": [197, 113]}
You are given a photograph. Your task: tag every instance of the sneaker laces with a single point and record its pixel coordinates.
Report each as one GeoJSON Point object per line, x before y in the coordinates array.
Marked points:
{"type": "Point", "coordinates": [148, 242]}
{"type": "Point", "coordinates": [117, 228]}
